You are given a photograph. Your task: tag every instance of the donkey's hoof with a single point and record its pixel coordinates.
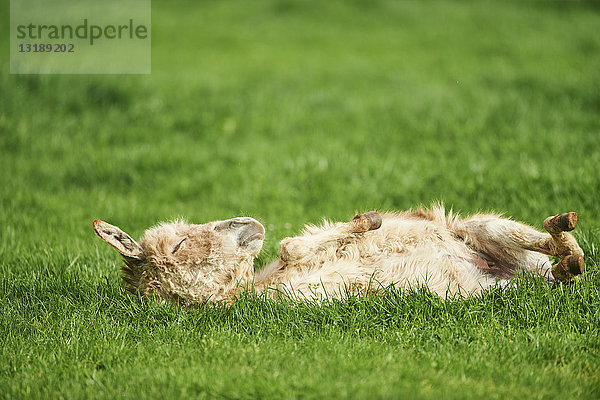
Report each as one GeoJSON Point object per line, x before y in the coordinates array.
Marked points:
{"type": "Point", "coordinates": [574, 264]}
{"type": "Point", "coordinates": [368, 221]}
{"type": "Point", "coordinates": [564, 222]}
{"type": "Point", "coordinates": [568, 268]}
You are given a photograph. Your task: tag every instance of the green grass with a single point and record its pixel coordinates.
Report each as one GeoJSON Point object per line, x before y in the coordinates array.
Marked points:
{"type": "Point", "coordinates": [291, 111]}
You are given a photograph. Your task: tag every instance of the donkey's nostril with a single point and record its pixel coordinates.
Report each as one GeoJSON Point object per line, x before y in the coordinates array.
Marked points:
{"type": "Point", "coordinates": [252, 230]}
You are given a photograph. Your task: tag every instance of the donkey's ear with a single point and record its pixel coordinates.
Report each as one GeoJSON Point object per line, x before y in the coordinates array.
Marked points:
{"type": "Point", "coordinates": [119, 240]}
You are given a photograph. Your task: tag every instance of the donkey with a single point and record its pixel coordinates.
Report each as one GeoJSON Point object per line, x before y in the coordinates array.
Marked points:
{"type": "Point", "coordinates": [205, 264]}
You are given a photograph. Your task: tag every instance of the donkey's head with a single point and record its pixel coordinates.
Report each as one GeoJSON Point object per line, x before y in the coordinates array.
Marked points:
{"type": "Point", "coordinates": [188, 263]}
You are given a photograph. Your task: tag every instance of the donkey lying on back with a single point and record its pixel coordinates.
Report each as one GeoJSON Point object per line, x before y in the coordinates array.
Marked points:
{"type": "Point", "coordinates": [208, 263]}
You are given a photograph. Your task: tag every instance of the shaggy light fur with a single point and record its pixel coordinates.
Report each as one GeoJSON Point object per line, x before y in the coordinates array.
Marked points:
{"type": "Point", "coordinates": [207, 263]}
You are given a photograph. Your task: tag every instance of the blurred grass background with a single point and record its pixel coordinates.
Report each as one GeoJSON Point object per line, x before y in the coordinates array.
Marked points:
{"type": "Point", "coordinates": [289, 112]}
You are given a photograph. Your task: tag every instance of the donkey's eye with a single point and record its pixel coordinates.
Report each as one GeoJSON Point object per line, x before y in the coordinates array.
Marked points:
{"type": "Point", "coordinates": [178, 245]}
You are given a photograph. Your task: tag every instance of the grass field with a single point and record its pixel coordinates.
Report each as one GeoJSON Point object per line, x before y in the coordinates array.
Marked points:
{"type": "Point", "coordinates": [289, 112]}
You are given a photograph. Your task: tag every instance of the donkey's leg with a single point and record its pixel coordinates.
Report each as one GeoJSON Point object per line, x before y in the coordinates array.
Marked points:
{"type": "Point", "coordinates": [511, 243]}
{"type": "Point", "coordinates": [565, 245]}
{"type": "Point", "coordinates": [299, 247]}
{"type": "Point", "coordinates": [561, 243]}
